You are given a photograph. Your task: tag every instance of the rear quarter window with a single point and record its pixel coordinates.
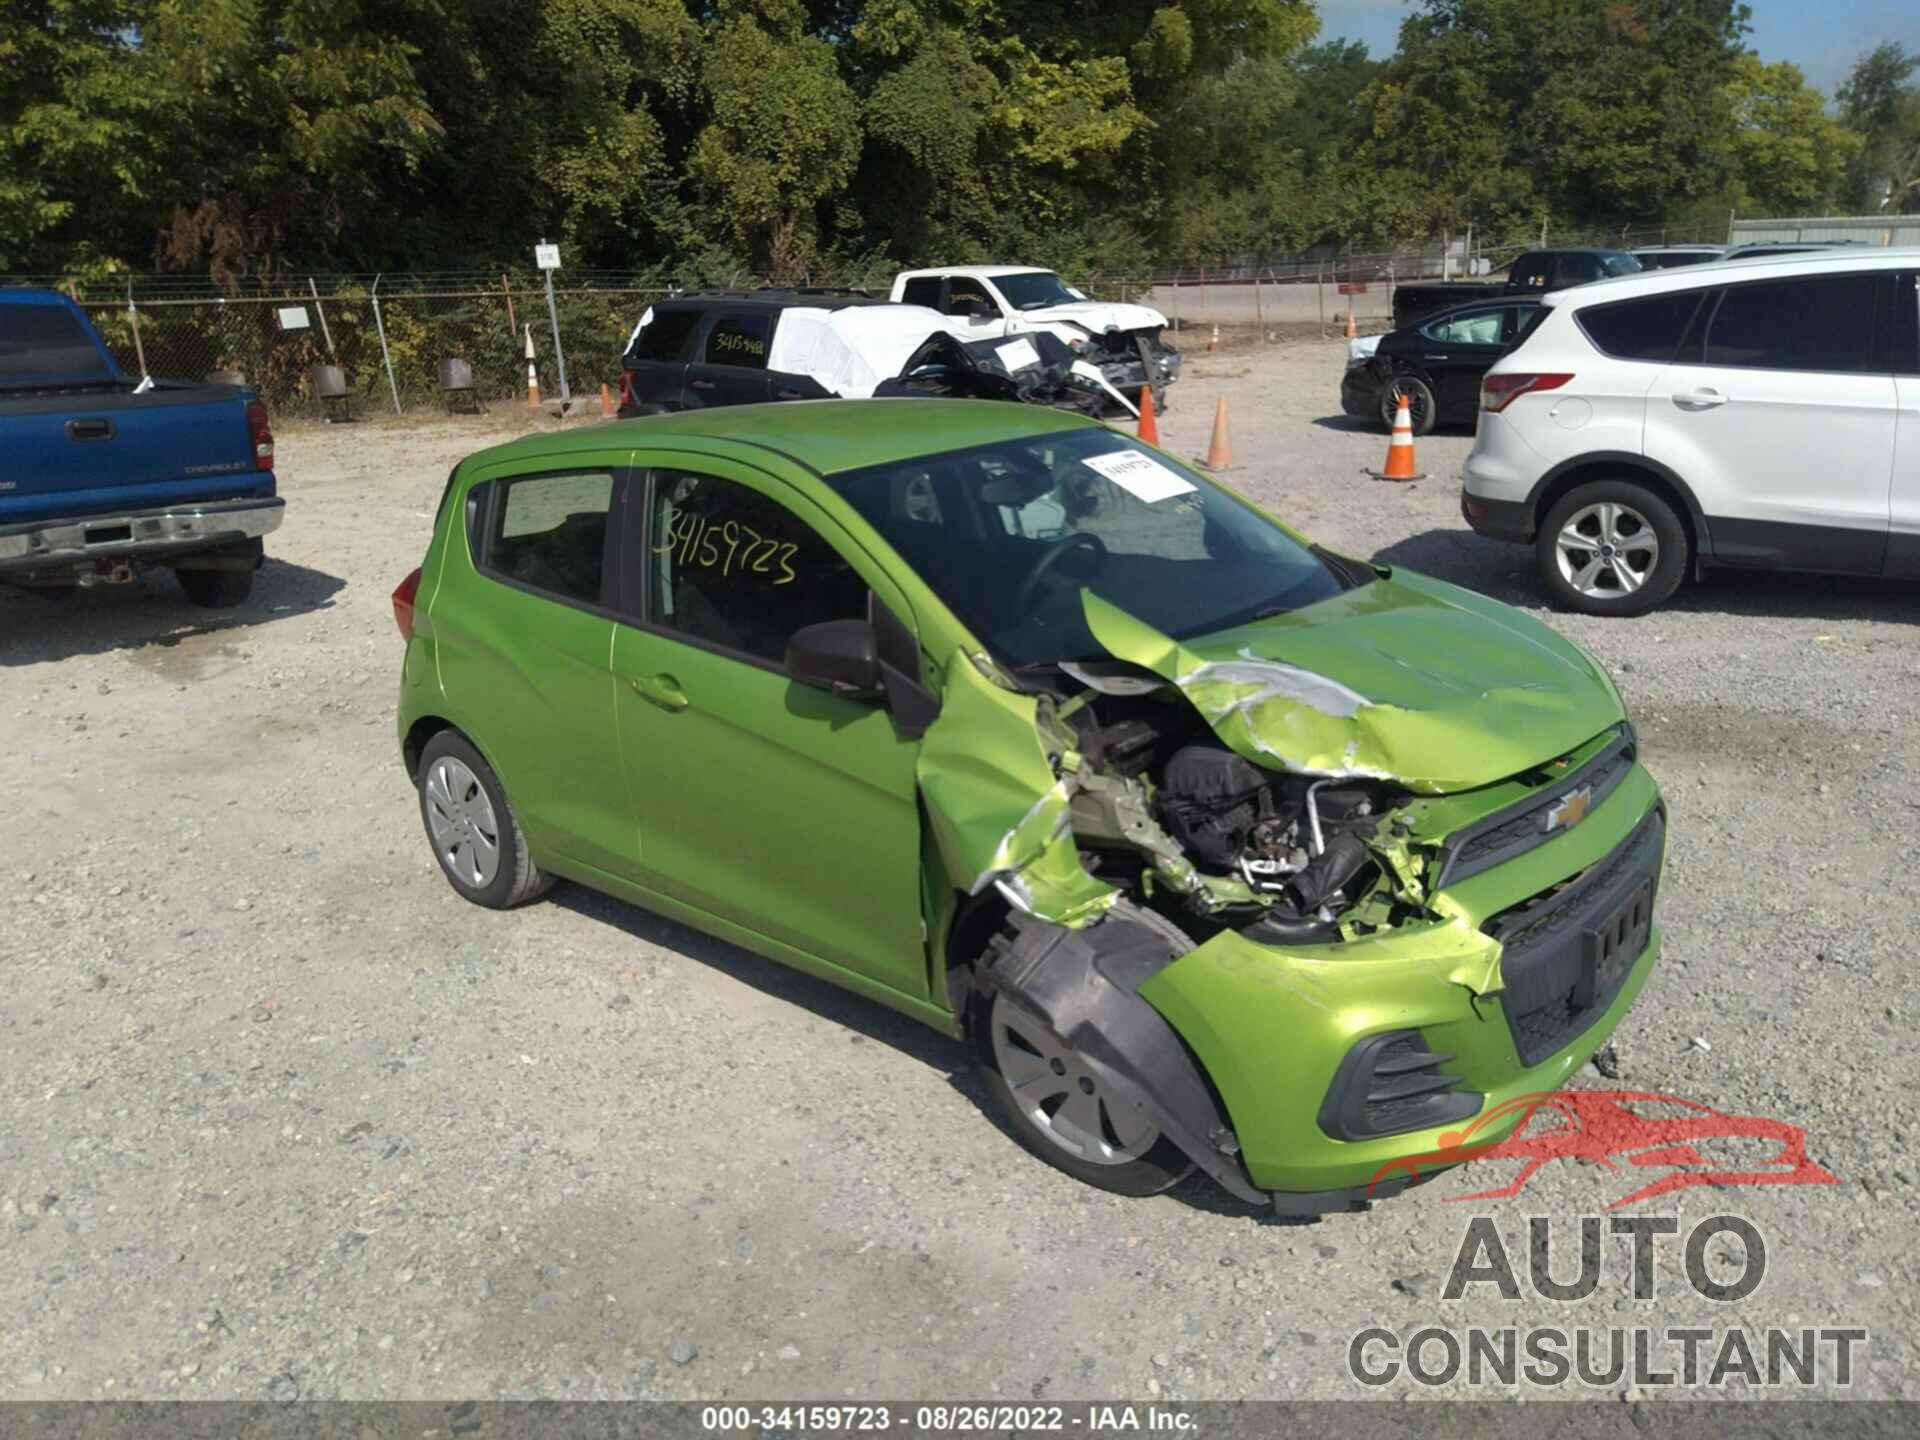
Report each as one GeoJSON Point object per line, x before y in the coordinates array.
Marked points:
{"type": "Point", "coordinates": [665, 337]}
{"type": "Point", "coordinates": [1646, 329]}
{"type": "Point", "coordinates": [923, 291]}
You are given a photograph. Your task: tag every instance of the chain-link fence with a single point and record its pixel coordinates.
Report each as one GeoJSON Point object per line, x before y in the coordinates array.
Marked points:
{"type": "Point", "coordinates": [388, 346]}
{"type": "Point", "coordinates": [389, 334]}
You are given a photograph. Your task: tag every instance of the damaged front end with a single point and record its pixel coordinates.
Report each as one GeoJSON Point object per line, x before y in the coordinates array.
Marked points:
{"type": "Point", "coordinates": [1343, 994]}
{"type": "Point", "coordinates": [1037, 369]}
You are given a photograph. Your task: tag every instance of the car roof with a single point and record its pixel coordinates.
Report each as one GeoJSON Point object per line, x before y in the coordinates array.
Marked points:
{"type": "Point", "coordinates": [988, 272]}
{"type": "Point", "coordinates": [825, 436]}
{"type": "Point", "coordinates": [1677, 249]}
{"type": "Point", "coordinates": [1725, 272]}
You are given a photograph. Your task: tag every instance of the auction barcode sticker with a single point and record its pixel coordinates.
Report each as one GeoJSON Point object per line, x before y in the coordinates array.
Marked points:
{"type": "Point", "coordinates": [1140, 475]}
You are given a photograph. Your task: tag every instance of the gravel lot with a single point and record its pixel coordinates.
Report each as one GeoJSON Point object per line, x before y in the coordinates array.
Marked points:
{"type": "Point", "coordinates": [281, 1116]}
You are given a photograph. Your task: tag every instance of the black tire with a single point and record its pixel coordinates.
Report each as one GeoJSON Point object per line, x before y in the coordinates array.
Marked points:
{"type": "Point", "coordinates": [1640, 512]}
{"type": "Point", "coordinates": [516, 879]}
{"type": "Point", "coordinates": [1163, 1164]}
{"type": "Point", "coordinates": [216, 589]}
{"type": "Point", "coordinates": [1421, 405]}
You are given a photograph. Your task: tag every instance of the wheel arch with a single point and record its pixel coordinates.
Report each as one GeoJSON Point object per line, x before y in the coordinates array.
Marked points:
{"type": "Point", "coordinates": [420, 734]}
{"type": "Point", "coordinates": [1623, 465]}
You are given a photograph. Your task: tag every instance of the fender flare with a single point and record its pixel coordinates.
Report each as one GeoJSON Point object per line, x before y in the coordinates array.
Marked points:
{"type": "Point", "coordinates": [1626, 460]}
{"type": "Point", "coordinates": [1083, 985]}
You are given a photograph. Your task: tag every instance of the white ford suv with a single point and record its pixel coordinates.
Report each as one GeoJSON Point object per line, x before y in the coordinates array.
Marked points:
{"type": "Point", "coordinates": [1760, 413]}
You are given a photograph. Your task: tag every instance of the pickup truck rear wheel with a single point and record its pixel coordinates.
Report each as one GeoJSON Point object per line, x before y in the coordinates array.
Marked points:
{"type": "Point", "coordinates": [216, 589]}
{"type": "Point", "coordinates": [471, 827]}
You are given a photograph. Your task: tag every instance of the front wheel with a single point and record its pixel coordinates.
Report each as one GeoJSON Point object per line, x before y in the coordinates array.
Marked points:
{"type": "Point", "coordinates": [1057, 1106]}
{"type": "Point", "coordinates": [1612, 547]}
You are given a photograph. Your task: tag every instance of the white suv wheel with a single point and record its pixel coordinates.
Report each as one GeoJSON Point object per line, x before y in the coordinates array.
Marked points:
{"type": "Point", "coordinates": [1607, 550]}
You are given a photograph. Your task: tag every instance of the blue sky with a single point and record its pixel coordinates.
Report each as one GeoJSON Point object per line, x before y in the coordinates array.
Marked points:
{"type": "Point", "coordinates": [1823, 39]}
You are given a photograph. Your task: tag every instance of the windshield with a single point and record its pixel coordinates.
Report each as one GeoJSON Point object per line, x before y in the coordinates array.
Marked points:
{"type": "Point", "coordinates": [1007, 535]}
{"type": "Point", "coordinates": [1035, 289]}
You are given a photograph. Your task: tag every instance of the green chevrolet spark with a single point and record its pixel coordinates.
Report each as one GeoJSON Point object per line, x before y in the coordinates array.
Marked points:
{"type": "Point", "coordinates": [1225, 850]}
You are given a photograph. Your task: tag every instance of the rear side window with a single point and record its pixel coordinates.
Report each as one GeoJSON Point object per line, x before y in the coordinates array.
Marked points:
{"type": "Point", "coordinates": [924, 291]}
{"type": "Point", "coordinates": [1826, 323]}
{"type": "Point", "coordinates": [738, 571]}
{"type": "Point", "coordinates": [40, 340]}
{"type": "Point", "coordinates": [1475, 327]}
{"type": "Point", "coordinates": [549, 532]}
{"type": "Point", "coordinates": [1648, 329]}
{"type": "Point", "coordinates": [665, 337]}
{"type": "Point", "coordinates": [739, 340]}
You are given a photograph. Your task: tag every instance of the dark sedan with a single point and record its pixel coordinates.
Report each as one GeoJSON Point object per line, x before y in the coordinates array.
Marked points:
{"type": "Point", "coordinates": [1437, 363]}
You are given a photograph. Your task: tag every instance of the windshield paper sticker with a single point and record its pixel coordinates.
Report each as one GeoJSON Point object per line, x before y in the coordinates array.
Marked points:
{"type": "Point", "coordinates": [1017, 355]}
{"type": "Point", "coordinates": [1139, 475]}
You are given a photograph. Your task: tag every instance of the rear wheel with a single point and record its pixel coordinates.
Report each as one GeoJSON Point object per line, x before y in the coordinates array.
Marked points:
{"type": "Point", "coordinates": [1057, 1105]}
{"type": "Point", "coordinates": [1420, 403]}
{"type": "Point", "coordinates": [472, 828]}
{"type": "Point", "coordinates": [1612, 547]}
{"type": "Point", "coordinates": [216, 589]}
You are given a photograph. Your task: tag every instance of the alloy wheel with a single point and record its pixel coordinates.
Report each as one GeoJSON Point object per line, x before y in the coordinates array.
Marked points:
{"type": "Point", "coordinates": [1606, 550]}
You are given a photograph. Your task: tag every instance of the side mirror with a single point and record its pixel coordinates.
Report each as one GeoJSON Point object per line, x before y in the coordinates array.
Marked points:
{"type": "Point", "coordinates": [835, 655]}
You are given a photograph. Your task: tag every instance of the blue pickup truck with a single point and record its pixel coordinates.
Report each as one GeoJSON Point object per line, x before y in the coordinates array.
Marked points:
{"type": "Point", "coordinates": [103, 476]}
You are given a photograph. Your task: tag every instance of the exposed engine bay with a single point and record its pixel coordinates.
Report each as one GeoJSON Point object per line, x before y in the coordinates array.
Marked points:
{"type": "Point", "coordinates": [1158, 806]}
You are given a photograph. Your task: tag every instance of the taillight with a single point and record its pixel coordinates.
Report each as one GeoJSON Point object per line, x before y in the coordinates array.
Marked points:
{"type": "Point", "coordinates": [1499, 391]}
{"type": "Point", "coordinates": [403, 602]}
{"type": "Point", "coordinates": [260, 433]}
{"type": "Point", "coordinates": [626, 389]}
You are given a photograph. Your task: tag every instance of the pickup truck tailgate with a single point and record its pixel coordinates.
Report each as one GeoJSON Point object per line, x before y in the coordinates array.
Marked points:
{"type": "Point", "coordinates": [69, 452]}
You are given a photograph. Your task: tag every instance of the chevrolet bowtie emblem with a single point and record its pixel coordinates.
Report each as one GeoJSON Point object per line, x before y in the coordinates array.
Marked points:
{"type": "Point", "coordinates": [1571, 810]}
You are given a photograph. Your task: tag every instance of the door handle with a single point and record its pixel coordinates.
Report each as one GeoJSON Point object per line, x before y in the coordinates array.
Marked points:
{"type": "Point", "coordinates": [90, 429]}
{"type": "Point", "coordinates": [661, 690]}
{"type": "Point", "coordinates": [700, 384]}
{"type": "Point", "coordinates": [1436, 357]}
{"type": "Point", "coordinates": [1701, 399]}
{"type": "Point", "coordinates": [788, 395]}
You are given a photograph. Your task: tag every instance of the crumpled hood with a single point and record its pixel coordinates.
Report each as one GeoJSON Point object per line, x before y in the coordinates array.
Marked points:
{"type": "Point", "coordinates": [1098, 316]}
{"type": "Point", "coordinates": [1408, 679]}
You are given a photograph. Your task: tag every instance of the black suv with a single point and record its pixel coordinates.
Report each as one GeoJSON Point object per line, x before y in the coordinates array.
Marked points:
{"type": "Point", "coordinates": [711, 349]}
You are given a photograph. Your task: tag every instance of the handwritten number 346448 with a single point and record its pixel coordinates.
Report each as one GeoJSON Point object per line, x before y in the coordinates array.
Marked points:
{"type": "Point", "coordinates": [727, 546]}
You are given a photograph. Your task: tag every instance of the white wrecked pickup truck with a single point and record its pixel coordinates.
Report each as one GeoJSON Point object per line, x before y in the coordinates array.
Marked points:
{"type": "Point", "coordinates": [1126, 342]}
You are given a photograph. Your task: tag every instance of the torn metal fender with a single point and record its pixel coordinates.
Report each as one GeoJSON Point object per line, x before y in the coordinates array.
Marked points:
{"type": "Point", "coordinates": [1082, 985]}
{"type": "Point", "coordinates": [999, 812]}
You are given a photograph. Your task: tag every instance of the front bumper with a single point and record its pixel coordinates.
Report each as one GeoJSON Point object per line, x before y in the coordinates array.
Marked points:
{"type": "Point", "coordinates": [1274, 1027]}
{"type": "Point", "coordinates": [150, 534]}
{"type": "Point", "coordinates": [1360, 391]}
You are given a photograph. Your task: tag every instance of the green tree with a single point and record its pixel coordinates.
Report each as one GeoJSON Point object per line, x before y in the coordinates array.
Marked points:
{"type": "Point", "coordinates": [1880, 100]}
{"type": "Point", "coordinates": [1789, 156]}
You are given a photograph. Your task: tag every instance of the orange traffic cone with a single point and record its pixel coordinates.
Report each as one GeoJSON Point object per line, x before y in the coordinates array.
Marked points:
{"type": "Point", "coordinates": [1400, 448]}
{"type": "Point", "coordinates": [1213, 342]}
{"type": "Point", "coordinates": [1220, 450]}
{"type": "Point", "coordinates": [1353, 330]}
{"type": "Point", "coordinates": [1149, 430]}
{"type": "Point", "coordinates": [606, 403]}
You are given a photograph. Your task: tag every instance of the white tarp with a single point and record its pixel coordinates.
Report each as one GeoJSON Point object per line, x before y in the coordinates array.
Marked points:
{"type": "Point", "coordinates": [851, 350]}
